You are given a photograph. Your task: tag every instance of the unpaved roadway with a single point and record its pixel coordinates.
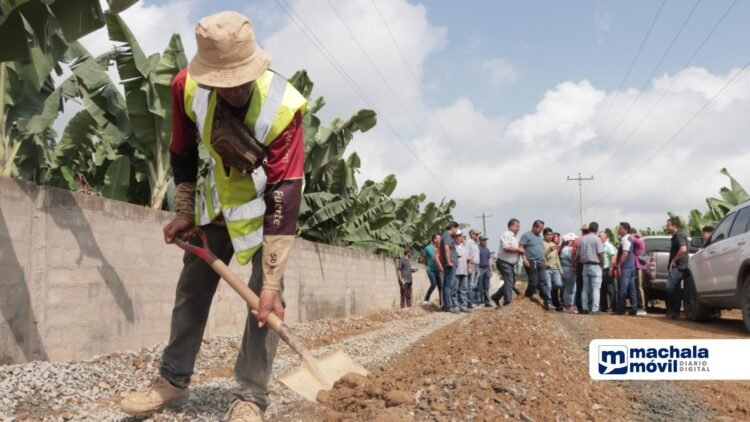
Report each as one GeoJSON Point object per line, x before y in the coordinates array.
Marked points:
{"type": "Point", "coordinates": [523, 363]}
{"type": "Point", "coordinates": [514, 363]}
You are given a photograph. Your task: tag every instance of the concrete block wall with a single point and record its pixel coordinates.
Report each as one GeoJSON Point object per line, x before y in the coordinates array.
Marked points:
{"type": "Point", "coordinates": [82, 275]}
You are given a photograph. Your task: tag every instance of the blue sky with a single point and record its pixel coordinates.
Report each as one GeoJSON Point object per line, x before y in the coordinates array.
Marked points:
{"type": "Point", "coordinates": [553, 41]}
{"type": "Point", "coordinates": [528, 92]}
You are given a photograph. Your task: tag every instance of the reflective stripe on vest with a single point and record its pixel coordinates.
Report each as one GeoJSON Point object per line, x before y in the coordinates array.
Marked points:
{"type": "Point", "coordinates": [208, 204]}
{"type": "Point", "coordinates": [236, 196]}
{"type": "Point", "coordinates": [270, 108]}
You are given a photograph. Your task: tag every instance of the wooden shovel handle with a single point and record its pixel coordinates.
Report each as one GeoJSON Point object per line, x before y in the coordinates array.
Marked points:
{"type": "Point", "coordinates": [273, 320]}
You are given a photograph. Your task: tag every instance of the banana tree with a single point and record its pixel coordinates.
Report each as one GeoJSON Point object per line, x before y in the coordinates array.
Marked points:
{"type": "Point", "coordinates": [28, 114]}
{"type": "Point", "coordinates": [41, 29]}
{"type": "Point", "coordinates": [146, 82]}
{"type": "Point", "coordinates": [729, 197]}
{"type": "Point", "coordinates": [336, 210]}
{"type": "Point", "coordinates": [37, 36]}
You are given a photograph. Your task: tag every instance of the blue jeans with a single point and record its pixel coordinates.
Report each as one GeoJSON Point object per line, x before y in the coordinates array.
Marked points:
{"type": "Point", "coordinates": [463, 291]}
{"type": "Point", "coordinates": [592, 284]}
{"type": "Point", "coordinates": [434, 276]}
{"type": "Point", "coordinates": [674, 289]}
{"type": "Point", "coordinates": [449, 285]}
{"type": "Point", "coordinates": [569, 286]}
{"type": "Point", "coordinates": [484, 283]}
{"type": "Point", "coordinates": [554, 283]}
{"type": "Point", "coordinates": [627, 289]}
{"type": "Point", "coordinates": [472, 293]}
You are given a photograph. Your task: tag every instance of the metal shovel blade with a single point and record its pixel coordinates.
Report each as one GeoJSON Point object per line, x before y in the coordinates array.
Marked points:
{"type": "Point", "coordinates": [332, 366]}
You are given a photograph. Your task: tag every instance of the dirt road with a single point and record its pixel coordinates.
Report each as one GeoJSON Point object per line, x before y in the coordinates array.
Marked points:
{"type": "Point", "coordinates": [514, 363]}
{"type": "Point", "coordinates": [521, 362]}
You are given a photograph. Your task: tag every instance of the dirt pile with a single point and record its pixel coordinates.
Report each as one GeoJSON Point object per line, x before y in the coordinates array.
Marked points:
{"type": "Point", "coordinates": [355, 396]}
{"type": "Point", "coordinates": [514, 363]}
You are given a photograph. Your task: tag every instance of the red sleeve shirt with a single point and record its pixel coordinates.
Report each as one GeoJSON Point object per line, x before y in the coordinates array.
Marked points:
{"type": "Point", "coordinates": [184, 131]}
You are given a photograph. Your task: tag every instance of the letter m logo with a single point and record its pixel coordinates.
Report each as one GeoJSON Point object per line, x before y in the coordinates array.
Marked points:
{"type": "Point", "coordinates": [613, 360]}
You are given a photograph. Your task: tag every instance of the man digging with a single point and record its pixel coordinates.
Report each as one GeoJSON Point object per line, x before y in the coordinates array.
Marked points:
{"type": "Point", "coordinates": [249, 119]}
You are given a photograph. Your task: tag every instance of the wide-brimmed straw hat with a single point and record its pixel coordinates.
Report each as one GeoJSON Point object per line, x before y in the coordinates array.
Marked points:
{"type": "Point", "coordinates": [228, 55]}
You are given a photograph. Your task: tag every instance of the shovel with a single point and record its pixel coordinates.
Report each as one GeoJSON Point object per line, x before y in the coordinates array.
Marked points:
{"type": "Point", "coordinates": [315, 374]}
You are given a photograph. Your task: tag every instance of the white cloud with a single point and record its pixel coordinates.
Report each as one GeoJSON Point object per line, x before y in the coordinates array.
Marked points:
{"type": "Point", "coordinates": [517, 168]}
{"type": "Point", "coordinates": [565, 115]}
{"type": "Point", "coordinates": [500, 70]}
{"type": "Point", "coordinates": [510, 167]}
{"type": "Point", "coordinates": [152, 26]}
{"type": "Point", "coordinates": [417, 39]}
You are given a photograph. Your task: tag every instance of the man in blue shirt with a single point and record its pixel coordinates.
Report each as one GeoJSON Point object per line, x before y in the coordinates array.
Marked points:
{"type": "Point", "coordinates": [449, 260]}
{"type": "Point", "coordinates": [532, 245]}
{"type": "Point", "coordinates": [484, 272]}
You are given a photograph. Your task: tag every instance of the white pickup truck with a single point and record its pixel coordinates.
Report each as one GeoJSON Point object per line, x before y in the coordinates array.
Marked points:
{"type": "Point", "coordinates": [719, 276]}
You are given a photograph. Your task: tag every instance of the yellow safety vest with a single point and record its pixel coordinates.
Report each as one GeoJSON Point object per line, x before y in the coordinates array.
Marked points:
{"type": "Point", "coordinates": [239, 197]}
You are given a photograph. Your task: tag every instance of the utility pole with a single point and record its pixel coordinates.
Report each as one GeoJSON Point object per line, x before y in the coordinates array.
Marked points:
{"type": "Point", "coordinates": [580, 181]}
{"type": "Point", "coordinates": [484, 221]}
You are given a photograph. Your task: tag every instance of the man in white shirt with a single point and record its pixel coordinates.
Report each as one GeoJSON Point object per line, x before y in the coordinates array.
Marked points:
{"type": "Point", "coordinates": [462, 273]}
{"type": "Point", "coordinates": [473, 260]}
{"type": "Point", "coordinates": [507, 257]}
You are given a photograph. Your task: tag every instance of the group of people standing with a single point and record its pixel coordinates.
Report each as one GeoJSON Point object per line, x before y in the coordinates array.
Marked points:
{"type": "Point", "coordinates": [604, 277]}
{"type": "Point", "coordinates": [584, 274]}
{"type": "Point", "coordinates": [459, 269]}
{"type": "Point", "coordinates": [574, 274]}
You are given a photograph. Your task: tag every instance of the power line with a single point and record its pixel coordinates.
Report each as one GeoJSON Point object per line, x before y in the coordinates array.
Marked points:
{"type": "Point", "coordinates": [668, 89]}
{"type": "Point", "coordinates": [414, 76]}
{"type": "Point", "coordinates": [672, 138]}
{"type": "Point", "coordinates": [624, 79]}
{"type": "Point", "coordinates": [337, 66]}
{"type": "Point", "coordinates": [380, 74]}
{"type": "Point", "coordinates": [648, 80]}
{"type": "Point", "coordinates": [586, 145]}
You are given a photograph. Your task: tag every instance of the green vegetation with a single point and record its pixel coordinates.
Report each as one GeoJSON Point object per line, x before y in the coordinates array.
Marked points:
{"type": "Point", "coordinates": [116, 146]}
{"type": "Point", "coordinates": [335, 210]}
{"type": "Point", "coordinates": [729, 197]}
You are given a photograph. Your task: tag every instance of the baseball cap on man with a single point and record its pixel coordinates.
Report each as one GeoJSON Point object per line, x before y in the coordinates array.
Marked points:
{"type": "Point", "coordinates": [458, 233]}
{"type": "Point", "coordinates": [483, 238]}
{"type": "Point", "coordinates": [228, 55]}
{"type": "Point", "coordinates": [585, 227]}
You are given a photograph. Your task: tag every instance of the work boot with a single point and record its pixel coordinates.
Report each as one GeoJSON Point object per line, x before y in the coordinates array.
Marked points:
{"type": "Point", "coordinates": [160, 394]}
{"type": "Point", "coordinates": [244, 411]}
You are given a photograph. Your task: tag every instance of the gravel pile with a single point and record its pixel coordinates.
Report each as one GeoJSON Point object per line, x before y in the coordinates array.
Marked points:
{"type": "Point", "coordinates": [89, 390]}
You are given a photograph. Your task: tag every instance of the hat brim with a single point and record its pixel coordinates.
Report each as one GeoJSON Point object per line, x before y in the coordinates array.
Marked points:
{"type": "Point", "coordinates": [246, 71]}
